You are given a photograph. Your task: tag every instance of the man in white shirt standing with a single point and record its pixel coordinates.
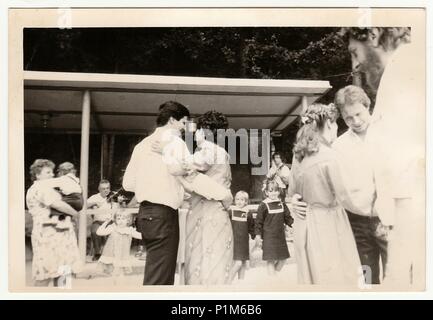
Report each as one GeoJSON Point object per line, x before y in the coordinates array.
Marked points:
{"type": "Point", "coordinates": [100, 201]}
{"type": "Point", "coordinates": [152, 176]}
{"type": "Point", "coordinates": [356, 162]}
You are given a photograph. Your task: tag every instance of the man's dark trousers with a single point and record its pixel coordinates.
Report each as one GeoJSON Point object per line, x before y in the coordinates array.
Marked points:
{"type": "Point", "coordinates": [371, 247]}
{"type": "Point", "coordinates": [98, 241]}
{"type": "Point", "coordinates": [159, 227]}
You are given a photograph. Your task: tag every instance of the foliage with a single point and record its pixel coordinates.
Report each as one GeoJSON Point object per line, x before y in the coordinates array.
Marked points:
{"type": "Point", "coordinates": [228, 52]}
{"type": "Point", "coordinates": [264, 53]}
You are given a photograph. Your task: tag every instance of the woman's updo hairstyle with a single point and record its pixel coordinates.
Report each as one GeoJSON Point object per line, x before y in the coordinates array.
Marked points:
{"type": "Point", "coordinates": [211, 121]}
{"type": "Point", "coordinates": [313, 120]}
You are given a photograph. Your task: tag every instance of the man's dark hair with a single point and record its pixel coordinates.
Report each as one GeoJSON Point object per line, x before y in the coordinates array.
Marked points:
{"type": "Point", "coordinates": [171, 109]}
{"type": "Point", "coordinates": [275, 154]}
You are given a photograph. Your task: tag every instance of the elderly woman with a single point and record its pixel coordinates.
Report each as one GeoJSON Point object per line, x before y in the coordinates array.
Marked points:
{"type": "Point", "coordinates": [55, 253]}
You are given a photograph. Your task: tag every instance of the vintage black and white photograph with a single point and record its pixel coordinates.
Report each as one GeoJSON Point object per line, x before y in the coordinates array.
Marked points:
{"type": "Point", "coordinates": [231, 150]}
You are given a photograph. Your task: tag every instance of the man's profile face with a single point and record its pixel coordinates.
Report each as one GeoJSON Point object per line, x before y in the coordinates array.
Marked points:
{"type": "Point", "coordinates": [277, 159]}
{"type": "Point", "coordinates": [366, 59]}
{"type": "Point", "coordinates": [358, 53]}
{"type": "Point", "coordinates": [104, 189]}
{"type": "Point", "coordinates": [356, 117]}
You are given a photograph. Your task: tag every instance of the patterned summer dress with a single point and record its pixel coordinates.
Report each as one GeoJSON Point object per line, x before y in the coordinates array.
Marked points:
{"type": "Point", "coordinates": [55, 253]}
{"type": "Point", "coordinates": [209, 236]}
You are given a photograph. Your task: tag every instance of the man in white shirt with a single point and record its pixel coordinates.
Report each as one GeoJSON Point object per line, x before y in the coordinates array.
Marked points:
{"type": "Point", "coordinates": [279, 172]}
{"type": "Point", "coordinates": [100, 201]}
{"type": "Point", "coordinates": [356, 161]}
{"type": "Point", "coordinates": [152, 176]}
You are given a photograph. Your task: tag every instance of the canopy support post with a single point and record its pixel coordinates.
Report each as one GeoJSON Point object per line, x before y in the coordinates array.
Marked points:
{"type": "Point", "coordinates": [84, 172]}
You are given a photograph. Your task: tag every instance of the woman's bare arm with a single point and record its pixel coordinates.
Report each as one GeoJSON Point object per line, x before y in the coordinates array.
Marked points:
{"type": "Point", "coordinates": [62, 206]}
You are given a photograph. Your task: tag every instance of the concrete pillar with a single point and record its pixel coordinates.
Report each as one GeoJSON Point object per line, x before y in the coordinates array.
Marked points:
{"type": "Point", "coordinates": [84, 172]}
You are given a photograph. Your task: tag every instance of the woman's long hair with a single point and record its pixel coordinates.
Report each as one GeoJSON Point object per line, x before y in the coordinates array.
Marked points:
{"type": "Point", "coordinates": [313, 119]}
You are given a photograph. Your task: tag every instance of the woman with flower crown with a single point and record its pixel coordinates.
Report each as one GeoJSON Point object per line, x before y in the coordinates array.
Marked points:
{"type": "Point", "coordinates": [326, 252]}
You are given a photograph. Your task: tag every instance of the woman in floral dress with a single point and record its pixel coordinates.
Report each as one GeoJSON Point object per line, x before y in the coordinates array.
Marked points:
{"type": "Point", "coordinates": [55, 253]}
{"type": "Point", "coordinates": [209, 235]}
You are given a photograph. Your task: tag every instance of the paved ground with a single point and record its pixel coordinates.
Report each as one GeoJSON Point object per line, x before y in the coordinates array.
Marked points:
{"type": "Point", "coordinates": [255, 276]}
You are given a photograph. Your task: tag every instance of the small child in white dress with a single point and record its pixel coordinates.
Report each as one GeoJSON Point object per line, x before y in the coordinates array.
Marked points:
{"type": "Point", "coordinates": [116, 253]}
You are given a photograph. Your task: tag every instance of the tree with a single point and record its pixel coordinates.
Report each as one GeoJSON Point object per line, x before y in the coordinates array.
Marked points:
{"type": "Point", "coordinates": [258, 53]}
{"type": "Point", "coordinates": [228, 52]}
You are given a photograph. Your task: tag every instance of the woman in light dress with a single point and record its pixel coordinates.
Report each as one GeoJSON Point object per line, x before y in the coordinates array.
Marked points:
{"type": "Point", "coordinates": [55, 253]}
{"type": "Point", "coordinates": [325, 247]}
{"type": "Point", "coordinates": [209, 235]}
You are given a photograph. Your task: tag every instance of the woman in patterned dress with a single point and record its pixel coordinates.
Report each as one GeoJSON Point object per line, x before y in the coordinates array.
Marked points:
{"type": "Point", "coordinates": [209, 235]}
{"type": "Point", "coordinates": [55, 253]}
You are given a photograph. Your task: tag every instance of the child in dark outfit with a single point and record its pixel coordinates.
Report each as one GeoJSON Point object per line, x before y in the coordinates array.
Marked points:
{"type": "Point", "coordinates": [243, 226]}
{"type": "Point", "coordinates": [272, 214]}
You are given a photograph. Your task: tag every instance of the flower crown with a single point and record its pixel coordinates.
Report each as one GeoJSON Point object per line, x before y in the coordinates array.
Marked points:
{"type": "Point", "coordinates": [317, 113]}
